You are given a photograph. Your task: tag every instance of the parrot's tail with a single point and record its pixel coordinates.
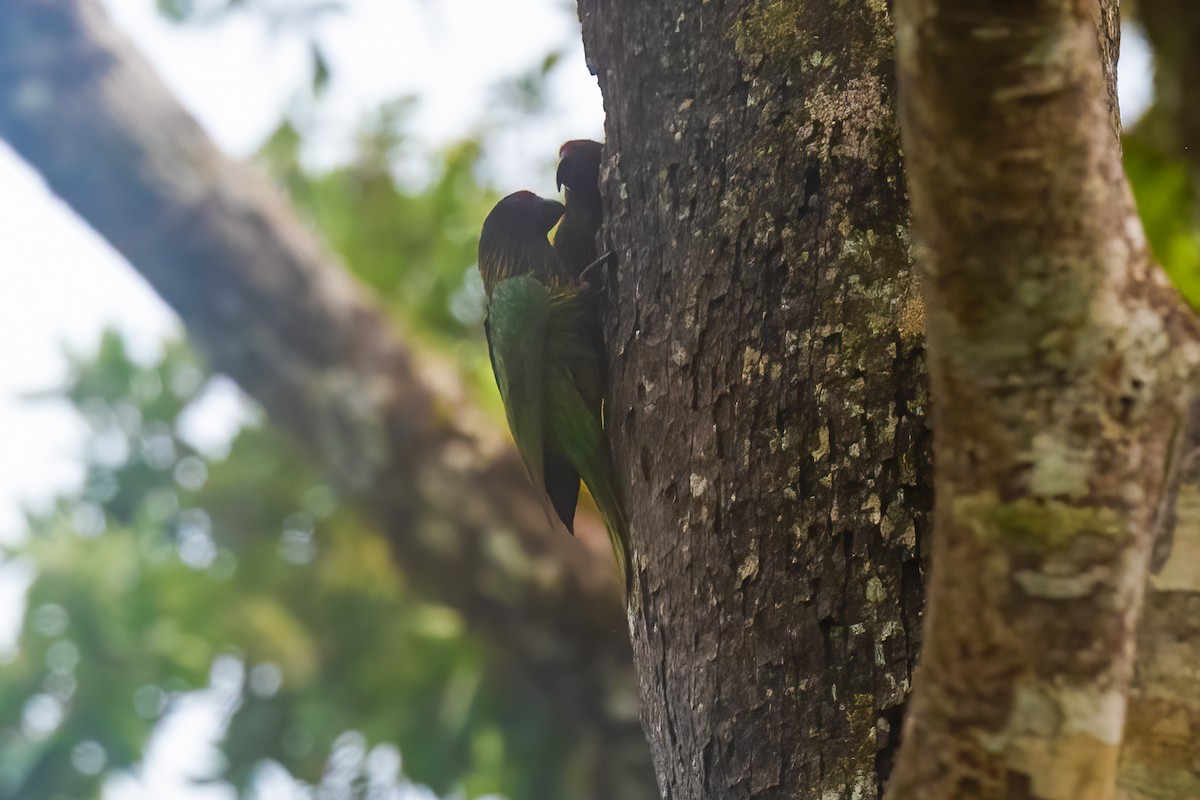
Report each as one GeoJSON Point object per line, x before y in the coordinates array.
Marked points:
{"type": "Point", "coordinates": [606, 492]}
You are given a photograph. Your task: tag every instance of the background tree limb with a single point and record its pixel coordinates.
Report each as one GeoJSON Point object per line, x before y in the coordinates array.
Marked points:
{"type": "Point", "coordinates": [258, 293]}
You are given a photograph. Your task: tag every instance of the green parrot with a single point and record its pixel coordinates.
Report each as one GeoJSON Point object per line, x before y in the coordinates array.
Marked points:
{"type": "Point", "coordinates": [547, 351]}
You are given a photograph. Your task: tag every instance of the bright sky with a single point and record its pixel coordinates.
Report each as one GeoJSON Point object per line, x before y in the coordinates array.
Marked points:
{"type": "Point", "coordinates": [61, 285]}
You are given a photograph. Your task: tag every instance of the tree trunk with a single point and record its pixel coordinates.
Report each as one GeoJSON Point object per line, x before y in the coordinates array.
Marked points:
{"type": "Point", "coordinates": [768, 390]}
{"type": "Point", "coordinates": [1060, 359]}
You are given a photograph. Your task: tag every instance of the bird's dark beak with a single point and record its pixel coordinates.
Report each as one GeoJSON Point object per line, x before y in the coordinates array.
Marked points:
{"type": "Point", "coordinates": [558, 176]}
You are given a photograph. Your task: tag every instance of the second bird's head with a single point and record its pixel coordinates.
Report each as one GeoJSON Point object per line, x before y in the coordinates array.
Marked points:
{"type": "Point", "coordinates": [579, 168]}
{"type": "Point", "coordinates": [514, 236]}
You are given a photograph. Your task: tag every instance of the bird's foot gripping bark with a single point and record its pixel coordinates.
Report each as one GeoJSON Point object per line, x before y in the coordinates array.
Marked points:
{"type": "Point", "coordinates": [608, 259]}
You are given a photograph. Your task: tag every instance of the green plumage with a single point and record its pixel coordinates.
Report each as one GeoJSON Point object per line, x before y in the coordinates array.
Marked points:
{"type": "Point", "coordinates": [548, 357]}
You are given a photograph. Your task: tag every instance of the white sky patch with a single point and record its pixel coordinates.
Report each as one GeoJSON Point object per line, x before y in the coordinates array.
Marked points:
{"type": "Point", "coordinates": [449, 54]}
{"type": "Point", "coordinates": [15, 577]}
{"type": "Point", "coordinates": [1135, 74]}
{"type": "Point", "coordinates": [60, 286]}
{"type": "Point", "coordinates": [182, 750]}
{"type": "Point", "coordinates": [235, 76]}
{"type": "Point", "coordinates": [214, 417]}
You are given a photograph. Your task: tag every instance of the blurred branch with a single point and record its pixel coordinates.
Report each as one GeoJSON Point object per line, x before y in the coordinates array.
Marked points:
{"type": "Point", "coordinates": [263, 299]}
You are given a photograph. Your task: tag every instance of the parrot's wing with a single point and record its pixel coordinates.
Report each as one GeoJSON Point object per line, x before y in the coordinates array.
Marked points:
{"type": "Point", "coordinates": [516, 328]}
{"type": "Point", "coordinates": [516, 331]}
{"type": "Point", "coordinates": [575, 425]}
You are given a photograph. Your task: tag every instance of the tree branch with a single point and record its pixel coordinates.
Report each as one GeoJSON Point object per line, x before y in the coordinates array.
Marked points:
{"type": "Point", "coordinates": [1059, 357]}
{"type": "Point", "coordinates": [260, 295]}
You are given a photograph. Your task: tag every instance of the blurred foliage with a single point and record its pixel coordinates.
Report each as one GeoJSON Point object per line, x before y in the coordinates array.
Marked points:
{"type": "Point", "coordinates": [178, 573]}
{"type": "Point", "coordinates": [414, 241]}
{"type": "Point", "coordinates": [525, 93]}
{"type": "Point", "coordinates": [1164, 187]}
{"type": "Point", "coordinates": [173, 571]}
{"type": "Point", "coordinates": [415, 247]}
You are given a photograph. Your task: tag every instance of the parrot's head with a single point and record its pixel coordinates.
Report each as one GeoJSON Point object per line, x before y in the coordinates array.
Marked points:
{"type": "Point", "coordinates": [514, 238]}
{"type": "Point", "coordinates": [579, 167]}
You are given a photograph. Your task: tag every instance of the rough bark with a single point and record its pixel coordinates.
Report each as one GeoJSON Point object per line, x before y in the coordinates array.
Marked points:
{"type": "Point", "coordinates": [767, 394]}
{"type": "Point", "coordinates": [1059, 358]}
{"type": "Point", "coordinates": [258, 293]}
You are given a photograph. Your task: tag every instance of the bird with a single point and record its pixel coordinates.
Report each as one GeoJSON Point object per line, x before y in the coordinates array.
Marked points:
{"type": "Point", "coordinates": [579, 178]}
{"type": "Point", "coordinates": [547, 351]}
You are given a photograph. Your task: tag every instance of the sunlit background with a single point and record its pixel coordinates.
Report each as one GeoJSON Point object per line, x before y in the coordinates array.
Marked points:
{"type": "Point", "coordinates": [174, 581]}
{"type": "Point", "coordinates": [464, 97]}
